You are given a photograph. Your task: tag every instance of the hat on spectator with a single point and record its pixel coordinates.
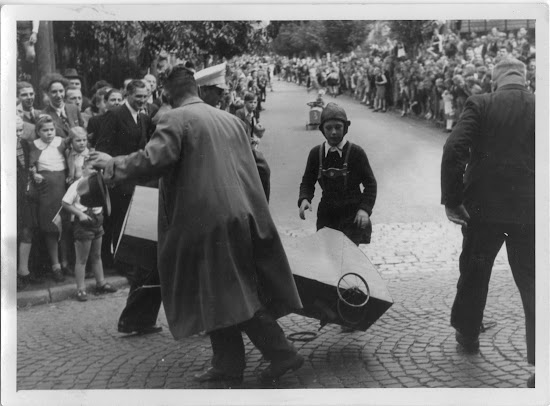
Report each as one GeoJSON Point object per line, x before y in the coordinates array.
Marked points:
{"type": "Point", "coordinates": [332, 111]}
{"type": "Point", "coordinates": [509, 70]}
{"type": "Point", "coordinates": [71, 73]}
{"type": "Point", "coordinates": [212, 76]}
{"type": "Point", "coordinates": [94, 193]}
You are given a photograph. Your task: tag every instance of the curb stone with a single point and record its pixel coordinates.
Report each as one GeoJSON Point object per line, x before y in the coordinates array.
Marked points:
{"type": "Point", "coordinates": [58, 293]}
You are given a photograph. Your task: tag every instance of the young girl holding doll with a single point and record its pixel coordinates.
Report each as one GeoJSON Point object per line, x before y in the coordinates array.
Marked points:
{"type": "Point", "coordinates": [88, 221]}
{"type": "Point", "coordinates": [48, 166]}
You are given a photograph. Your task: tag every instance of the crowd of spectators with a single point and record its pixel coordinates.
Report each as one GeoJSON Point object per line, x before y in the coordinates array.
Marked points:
{"type": "Point", "coordinates": [434, 84]}
{"type": "Point", "coordinates": [56, 134]}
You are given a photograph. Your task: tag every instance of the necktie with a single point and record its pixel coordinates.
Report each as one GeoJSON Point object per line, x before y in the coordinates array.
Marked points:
{"type": "Point", "coordinates": [64, 118]}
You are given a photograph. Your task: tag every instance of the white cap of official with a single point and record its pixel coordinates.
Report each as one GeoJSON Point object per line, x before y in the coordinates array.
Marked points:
{"type": "Point", "coordinates": [212, 76]}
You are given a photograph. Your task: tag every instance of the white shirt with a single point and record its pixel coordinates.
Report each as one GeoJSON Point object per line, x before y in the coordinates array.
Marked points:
{"type": "Point", "coordinates": [61, 111]}
{"type": "Point", "coordinates": [51, 159]}
{"type": "Point", "coordinates": [338, 148]}
{"type": "Point", "coordinates": [72, 197]}
{"type": "Point", "coordinates": [132, 111]}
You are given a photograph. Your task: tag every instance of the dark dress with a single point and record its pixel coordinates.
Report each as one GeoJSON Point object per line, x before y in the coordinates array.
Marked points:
{"type": "Point", "coordinates": [50, 191]}
{"type": "Point", "coordinates": [341, 198]}
{"type": "Point", "coordinates": [27, 209]}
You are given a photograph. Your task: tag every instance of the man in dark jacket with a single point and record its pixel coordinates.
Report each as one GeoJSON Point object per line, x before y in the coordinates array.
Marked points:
{"type": "Point", "coordinates": [488, 187]}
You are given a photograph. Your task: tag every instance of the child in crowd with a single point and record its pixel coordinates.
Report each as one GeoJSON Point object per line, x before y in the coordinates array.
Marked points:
{"type": "Point", "coordinates": [77, 153]}
{"type": "Point", "coordinates": [341, 168]}
{"type": "Point", "coordinates": [404, 95]}
{"type": "Point", "coordinates": [47, 163]}
{"type": "Point", "coordinates": [380, 99]}
{"type": "Point", "coordinates": [247, 114]}
{"type": "Point", "coordinates": [87, 226]}
{"type": "Point", "coordinates": [448, 108]}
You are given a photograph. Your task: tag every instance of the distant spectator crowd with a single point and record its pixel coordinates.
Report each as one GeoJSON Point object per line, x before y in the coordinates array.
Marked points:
{"type": "Point", "coordinates": [433, 85]}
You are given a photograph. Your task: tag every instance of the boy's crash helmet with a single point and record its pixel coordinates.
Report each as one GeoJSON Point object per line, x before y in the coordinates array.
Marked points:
{"type": "Point", "coordinates": [332, 111]}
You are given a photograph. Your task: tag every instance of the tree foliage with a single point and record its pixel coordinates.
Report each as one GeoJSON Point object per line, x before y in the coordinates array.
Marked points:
{"type": "Point", "coordinates": [412, 33]}
{"type": "Point", "coordinates": [90, 45]}
{"type": "Point", "coordinates": [310, 37]}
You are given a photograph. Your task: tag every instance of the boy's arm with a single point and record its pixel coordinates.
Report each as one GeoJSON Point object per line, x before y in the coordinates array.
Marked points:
{"type": "Point", "coordinates": [73, 210]}
{"type": "Point", "coordinates": [368, 197]}
{"type": "Point", "coordinates": [307, 187]}
{"type": "Point", "coordinates": [68, 203]}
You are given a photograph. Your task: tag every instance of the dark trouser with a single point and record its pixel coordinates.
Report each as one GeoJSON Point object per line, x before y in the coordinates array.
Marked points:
{"type": "Point", "coordinates": [481, 244]}
{"type": "Point", "coordinates": [341, 218]}
{"type": "Point", "coordinates": [264, 332]}
{"type": "Point", "coordinates": [113, 223]}
{"type": "Point", "coordinates": [143, 304]}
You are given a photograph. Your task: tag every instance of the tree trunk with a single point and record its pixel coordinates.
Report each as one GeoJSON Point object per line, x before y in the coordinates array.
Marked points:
{"type": "Point", "coordinates": [45, 58]}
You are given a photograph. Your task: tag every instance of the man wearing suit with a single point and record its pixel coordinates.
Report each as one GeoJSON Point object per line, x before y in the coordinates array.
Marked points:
{"type": "Point", "coordinates": [126, 129]}
{"type": "Point", "coordinates": [488, 187]}
{"type": "Point", "coordinates": [64, 116]}
{"type": "Point", "coordinates": [25, 100]}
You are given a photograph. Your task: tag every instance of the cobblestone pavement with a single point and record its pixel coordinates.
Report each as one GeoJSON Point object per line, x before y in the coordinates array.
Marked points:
{"type": "Point", "coordinates": [411, 346]}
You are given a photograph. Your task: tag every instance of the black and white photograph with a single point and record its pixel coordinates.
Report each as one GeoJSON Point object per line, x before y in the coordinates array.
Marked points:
{"type": "Point", "coordinates": [265, 204]}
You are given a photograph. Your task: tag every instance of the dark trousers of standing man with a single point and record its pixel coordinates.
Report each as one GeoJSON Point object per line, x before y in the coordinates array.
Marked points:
{"type": "Point", "coordinates": [264, 332]}
{"type": "Point", "coordinates": [481, 244]}
{"type": "Point", "coordinates": [143, 304]}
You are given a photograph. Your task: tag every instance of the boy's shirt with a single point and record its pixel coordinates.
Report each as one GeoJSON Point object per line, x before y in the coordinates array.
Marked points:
{"type": "Point", "coordinates": [73, 198]}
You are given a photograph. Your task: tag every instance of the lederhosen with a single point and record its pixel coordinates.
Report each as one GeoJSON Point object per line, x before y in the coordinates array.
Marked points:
{"type": "Point", "coordinates": [338, 207]}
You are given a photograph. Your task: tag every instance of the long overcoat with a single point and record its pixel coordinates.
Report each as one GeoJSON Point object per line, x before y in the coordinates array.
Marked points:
{"type": "Point", "coordinates": [220, 257]}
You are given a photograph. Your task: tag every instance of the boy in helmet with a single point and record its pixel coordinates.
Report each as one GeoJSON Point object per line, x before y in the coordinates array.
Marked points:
{"type": "Point", "coordinates": [341, 168]}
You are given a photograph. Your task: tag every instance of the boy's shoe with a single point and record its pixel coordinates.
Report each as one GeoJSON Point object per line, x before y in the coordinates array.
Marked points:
{"type": "Point", "coordinates": [469, 343]}
{"type": "Point", "coordinates": [106, 288]}
{"type": "Point", "coordinates": [81, 295]}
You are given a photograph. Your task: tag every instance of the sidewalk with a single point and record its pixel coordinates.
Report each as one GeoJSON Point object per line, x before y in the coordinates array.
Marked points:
{"type": "Point", "coordinates": [51, 292]}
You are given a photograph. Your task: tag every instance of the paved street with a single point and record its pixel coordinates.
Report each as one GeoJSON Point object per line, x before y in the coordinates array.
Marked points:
{"type": "Point", "coordinates": [71, 345]}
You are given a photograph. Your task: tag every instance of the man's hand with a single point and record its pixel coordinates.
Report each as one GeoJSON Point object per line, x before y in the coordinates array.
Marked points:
{"type": "Point", "coordinates": [458, 215]}
{"type": "Point", "coordinates": [361, 218]}
{"type": "Point", "coordinates": [99, 159]}
{"type": "Point", "coordinates": [303, 207]}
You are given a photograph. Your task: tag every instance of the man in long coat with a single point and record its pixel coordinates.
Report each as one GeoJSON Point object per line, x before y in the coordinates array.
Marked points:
{"type": "Point", "coordinates": [222, 265]}
{"type": "Point", "coordinates": [488, 187]}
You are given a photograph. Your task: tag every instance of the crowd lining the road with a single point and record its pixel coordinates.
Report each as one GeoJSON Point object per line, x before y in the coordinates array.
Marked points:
{"type": "Point", "coordinates": [63, 116]}
{"type": "Point", "coordinates": [434, 85]}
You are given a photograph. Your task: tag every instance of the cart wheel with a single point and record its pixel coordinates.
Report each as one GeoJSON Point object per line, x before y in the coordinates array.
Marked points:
{"type": "Point", "coordinates": [353, 290]}
{"type": "Point", "coordinates": [353, 295]}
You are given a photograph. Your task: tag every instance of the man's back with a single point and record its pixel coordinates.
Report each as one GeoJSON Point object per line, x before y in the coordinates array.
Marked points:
{"type": "Point", "coordinates": [499, 130]}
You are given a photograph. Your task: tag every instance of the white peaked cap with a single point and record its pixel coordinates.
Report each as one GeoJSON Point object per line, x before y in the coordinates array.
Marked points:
{"type": "Point", "coordinates": [212, 76]}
